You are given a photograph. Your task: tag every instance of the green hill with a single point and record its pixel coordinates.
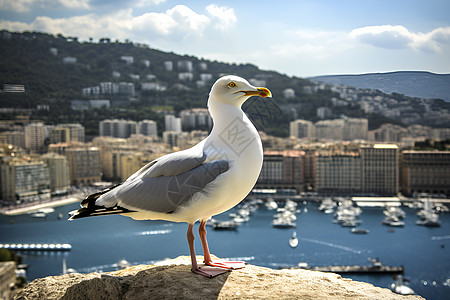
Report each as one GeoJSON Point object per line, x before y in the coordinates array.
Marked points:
{"type": "Point", "coordinates": [40, 62]}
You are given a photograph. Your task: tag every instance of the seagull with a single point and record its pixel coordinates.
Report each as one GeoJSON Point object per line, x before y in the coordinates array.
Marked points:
{"type": "Point", "coordinates": [197, 183]}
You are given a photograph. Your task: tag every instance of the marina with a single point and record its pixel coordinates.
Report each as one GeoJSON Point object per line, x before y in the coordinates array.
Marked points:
{"type": "Point", "coordinates": [318, 241]}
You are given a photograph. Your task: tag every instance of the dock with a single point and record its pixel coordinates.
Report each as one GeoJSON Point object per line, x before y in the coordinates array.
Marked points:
{"type": "Point", "coordinates": [36, 247]}
{"type": "Point", "coordinates": [376, 267]}
{"type": "Point", "coordinates": [356, 269]}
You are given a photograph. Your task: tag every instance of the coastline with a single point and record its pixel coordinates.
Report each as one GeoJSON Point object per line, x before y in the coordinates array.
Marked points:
{"type": "Point", "coordinates": [28, 209]}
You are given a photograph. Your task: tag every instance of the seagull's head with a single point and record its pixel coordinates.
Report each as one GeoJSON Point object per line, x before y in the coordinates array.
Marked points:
{"type": "Point", "coordinates": [235, 90]}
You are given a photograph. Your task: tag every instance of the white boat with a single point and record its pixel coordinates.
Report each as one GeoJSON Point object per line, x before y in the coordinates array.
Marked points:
{"type": "Point", "coordinates": [359, 231]}
{"type": "Point", "coordinates": [225, 225]}
{"type": "Point", "coordinates": [394, 211]}
{"type": "Point", "coordinates": [327, 206]}
{"type": "Point", "coordinates": [283, 223]}
{"type": "Point", "coordinates": [123, 264]}
{"type": "Point", "coordinates": [428, 216]}
{"type": "Point", "coordinates": [271, 204]}
{"type": "Point", "coordinates": [293, 241]}
{"type": "Point", "coordinates": [400, 287]}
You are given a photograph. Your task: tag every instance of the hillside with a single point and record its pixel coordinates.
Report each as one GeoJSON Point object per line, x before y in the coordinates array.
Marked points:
{"type": "Point", "coordinates": [145, 83]}
{"type": "Point", "coordinates": [414, 84]}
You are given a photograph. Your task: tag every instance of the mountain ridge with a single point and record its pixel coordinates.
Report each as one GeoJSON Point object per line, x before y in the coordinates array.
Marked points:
{"type": "Point", "coordinates": [420, 84]}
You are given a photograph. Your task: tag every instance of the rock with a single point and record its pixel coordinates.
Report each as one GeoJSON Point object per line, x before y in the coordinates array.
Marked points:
{"type": "Point", "coordinates": [172, 279]}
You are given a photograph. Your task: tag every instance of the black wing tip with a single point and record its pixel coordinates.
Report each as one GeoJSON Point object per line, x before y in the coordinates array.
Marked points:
{"type": "Point", "coordinates": [97, 211]}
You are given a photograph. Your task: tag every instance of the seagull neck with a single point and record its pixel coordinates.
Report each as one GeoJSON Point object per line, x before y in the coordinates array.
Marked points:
{"type": "Point", "coordinates": [223, 114]}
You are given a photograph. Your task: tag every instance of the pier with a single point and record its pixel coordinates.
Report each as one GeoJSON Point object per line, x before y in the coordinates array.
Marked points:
{"type": "Point", "coordinates": [37, 247]}
{"type": "Point", "coordinates": [376, 267]}
{"type": "Point", "coordinates": [356, 269]}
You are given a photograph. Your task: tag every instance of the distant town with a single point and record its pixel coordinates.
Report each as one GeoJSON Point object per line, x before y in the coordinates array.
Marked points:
{"type": "Point", "coordinates": [331, 157]}
{"type": "Point", "coordinates": [100, 117]}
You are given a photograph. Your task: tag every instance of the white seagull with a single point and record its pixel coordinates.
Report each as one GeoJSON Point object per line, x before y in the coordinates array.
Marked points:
{"type": "Point", "coordinates": [197, 183]}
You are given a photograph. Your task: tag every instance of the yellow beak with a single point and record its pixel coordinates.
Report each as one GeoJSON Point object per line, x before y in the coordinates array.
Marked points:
{"type": "Point", "coordinates": [260, 91]}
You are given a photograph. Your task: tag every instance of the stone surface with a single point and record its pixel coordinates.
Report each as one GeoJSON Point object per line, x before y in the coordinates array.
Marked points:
{"type": "Point", "coordinates": [172, 279]}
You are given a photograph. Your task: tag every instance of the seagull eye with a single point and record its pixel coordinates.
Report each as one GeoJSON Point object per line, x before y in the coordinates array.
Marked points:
{"type": "Point", "coordinates": [232, 84]}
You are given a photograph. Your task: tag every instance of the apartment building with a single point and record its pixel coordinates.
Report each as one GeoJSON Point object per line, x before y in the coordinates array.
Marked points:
{"type": "Point", "coordinates": [302, 129]}
{"type": "Point", "coordinates": [84, 164]}
{"type": "Point", "coordinates": [195, 118]}
{"type": "Point", "coordinates": [283, 169]}
{"type": "Point", "coordinates": [338, 173]}
{"type": "Point", "coordinates": [24, 179]}
{"type": "Point", "coordinates": [35, 137]}
{"type": "Point", "coordinates": [117, 128]}
{"type": "Point", "coordinates": [425, 172]}
{"type": "Point", "coordinates": [380, 169]}
{"type": "Point", "coordinates": [58, 168]}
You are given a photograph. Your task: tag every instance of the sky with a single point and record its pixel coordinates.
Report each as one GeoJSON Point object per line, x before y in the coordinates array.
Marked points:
{"type": "Point", "coordinates": [298, 38]}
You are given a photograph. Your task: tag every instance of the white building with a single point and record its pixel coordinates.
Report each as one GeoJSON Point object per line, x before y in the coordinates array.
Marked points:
{"type": "Point", "coordinates": [117, 128]}
{"type": "Point", "coordinates": [172, 123]}
{"type": "Point", "coordinates": [302, 129]}
{"type": "Point", "coordinates": [195, 118]}
{"type": "Point", "coordinates": [148, 128]}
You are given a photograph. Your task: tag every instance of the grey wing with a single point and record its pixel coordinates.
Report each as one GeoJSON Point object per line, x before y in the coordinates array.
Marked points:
{"type": "Point", "coordinates": [165, 194]}
{"type": "Point", "coordinates": [172, 164]}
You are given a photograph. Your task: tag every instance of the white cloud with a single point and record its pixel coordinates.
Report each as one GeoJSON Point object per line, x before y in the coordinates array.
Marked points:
{"type": "Point", "coordinates": [22, 6]}
{"type": "Point", "coordinates": [172, 26]}
{"type": "Point", "coordinates": [399, 37]}
{"type": "Point", "coordinates": [142, 3]}
{"type": "Point", "coordinates": [224, 16]}
{"type": "Point", "coordinates": [16, 5]}
{"type": "Point", "coordinates": [84, 4]}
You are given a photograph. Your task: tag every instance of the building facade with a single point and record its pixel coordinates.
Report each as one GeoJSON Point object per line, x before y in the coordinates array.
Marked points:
{"type": "Point", "coordinates": [380, 169]}
{"type": "Point", "coordinates": [35, 137]}
{"type": "Point", "coordinates": [58, 167]}
{"type": "Point", "coordinates": [117, 128]}
{"type": "Point", "coordinates": [302, 129]}
{"type": "Point", "coordinates": [84, 165]}
{"type": "Point", "coordinates": [425, 172]}
{"type": "Point", "coordinates": [25, 180]}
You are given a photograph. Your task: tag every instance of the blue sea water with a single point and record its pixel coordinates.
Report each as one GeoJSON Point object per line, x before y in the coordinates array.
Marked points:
{"type": "Point", "coordinates": [99, 243]}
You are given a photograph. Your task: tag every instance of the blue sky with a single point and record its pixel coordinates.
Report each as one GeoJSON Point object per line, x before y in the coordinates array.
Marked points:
{"type": "Point", "coordinates": [301, 38]}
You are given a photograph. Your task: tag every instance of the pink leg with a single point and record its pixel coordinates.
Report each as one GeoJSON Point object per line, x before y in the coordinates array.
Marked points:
{"type": "Point", "coordinates": [205, 271]}
{"type": "Point", "coordinates": [207, 256]}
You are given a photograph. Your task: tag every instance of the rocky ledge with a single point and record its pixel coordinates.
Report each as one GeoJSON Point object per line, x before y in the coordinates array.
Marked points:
{"type": "Point", "coordinates": [172, 279]}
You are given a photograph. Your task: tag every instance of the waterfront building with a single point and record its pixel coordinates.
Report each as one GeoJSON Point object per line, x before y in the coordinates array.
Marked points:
{"type": "Point", "coordinates": [338, 173]}
{"type": "Point", "coordinates": [35, 137]}
{"type": "Point", "coordinates": [425, 172]}
{"type": "Point", "coordinates": [380, 169]}
{"type": "Point", "coordinates": [282, 170]}
{"type": "Point", "coordinates": [59, 173]}
{"type": "Point", "coordinates": [84, 165]}
{"type": "Point", "coordinates": [24, 179]}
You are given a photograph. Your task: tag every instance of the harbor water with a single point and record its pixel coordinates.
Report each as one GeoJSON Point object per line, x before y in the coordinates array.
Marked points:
{"type": "Point", "coordinates": [99, 243]}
